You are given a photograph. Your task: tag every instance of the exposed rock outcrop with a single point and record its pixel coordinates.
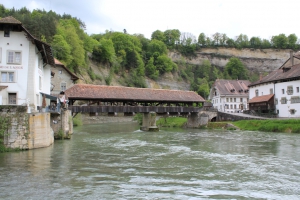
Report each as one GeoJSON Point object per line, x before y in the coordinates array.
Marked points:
{"type": "Point", "coordinates": [263, 60]}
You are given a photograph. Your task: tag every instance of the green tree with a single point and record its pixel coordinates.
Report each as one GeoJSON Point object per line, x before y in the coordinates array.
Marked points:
{"type": "Point", "coordinates": [292, 39]}
{"type": "Point", "coordinates": [158, 35]}
{"type": "Point", "coordinates": [151, 70]}
{"type": "Point", "coordinates": [202, 40]}
{"type": "Point", "coordinates": [61, 49]}
{"type": "Point", "coordinates": [255, 42]}
{"type": "Point", "coordinates": [280, 41]}
{"type": "Point", "coordinates": [172, 38]}
{"type": "Point", "coordinates": [165, 64]}
{"type": "Point", "coordinates": [236, 70]}
{"type": "Point", "coordinates": [105, 51]}
{"type": "Point", "coordinates": [242, 41]}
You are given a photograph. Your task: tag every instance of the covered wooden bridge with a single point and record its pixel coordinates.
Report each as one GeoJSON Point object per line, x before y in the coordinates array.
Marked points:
{"type": "Point", "coordinates": [114, 99]}
{"type": "Point", "coordinates": [101, 98]}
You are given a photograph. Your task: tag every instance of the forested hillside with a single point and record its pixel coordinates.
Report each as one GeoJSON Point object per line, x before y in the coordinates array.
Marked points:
{"type": "Point", "coordinates": [133, 58]}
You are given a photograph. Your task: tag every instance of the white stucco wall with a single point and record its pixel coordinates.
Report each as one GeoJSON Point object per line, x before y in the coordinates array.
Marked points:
{"type": "Point", "coordinates": [284, 109]}
{"type": "Point", "coordinates": [17, 41]}
{"type": "Point", "coordinates": [27, 74]}
{"type": "Point", "coordinates": [220, 102]}
{"type": "Point", "coordinates": [263, 89]}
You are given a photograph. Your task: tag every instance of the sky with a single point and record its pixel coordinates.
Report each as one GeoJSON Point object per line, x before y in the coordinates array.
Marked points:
{"type": "Point", "coordinates": [259, 18]}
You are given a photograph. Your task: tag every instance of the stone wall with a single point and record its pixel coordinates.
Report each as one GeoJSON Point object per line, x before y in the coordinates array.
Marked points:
{"type": "Point", "coordinates": [40, 132]}
{"type": "Point", "coordinates": [62, 121]}
{"type": "Point", "coordinates": [23, 130]}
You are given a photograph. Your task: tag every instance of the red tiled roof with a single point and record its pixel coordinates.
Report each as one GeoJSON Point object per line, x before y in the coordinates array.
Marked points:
{"type": "Point", "coordinates": [118, 93]}
{"type": "Point", "coordinates": [264, 98]}
{"type": "Point", "coordinates": [232, 87]}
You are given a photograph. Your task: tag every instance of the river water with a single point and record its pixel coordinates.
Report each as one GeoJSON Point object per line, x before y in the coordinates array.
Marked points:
{"type": "Point", "coordinates": [117, 161]}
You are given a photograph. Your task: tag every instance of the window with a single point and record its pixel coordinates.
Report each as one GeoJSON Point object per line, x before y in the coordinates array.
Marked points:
{"type": "Point", "coordinates": [7, 77]}
{"type": "Point", "coordinates": [271, 90]}
{"type": "Point", "coordinates": [297, 88]}
{"type": "Point", "coordinates": [230, 99]}
{"type": "Point", "coordinates": [289, 90]}
{"type": "Point", "coordinates": [234, 99]}
{"type": "Point", "coordinates": [295, 99]}
{"type": "Point", "coordinates": [276, 101]}
{"type": "Point", "coordinates": [234, 106]}
{"type": "Point", "coordinates": [230, 106]}
{"type": "Point", "coordinates": [283, 100]}
{"type": "Point", "coordinates": [6, 33]}
{"type": "Point", "coordinates": [40, 83]}
{"type": "Point", "coordinates": [14, 57]}
{"type": "Point", "coordinates": [282, 91]}
{"type": "Point", "coordinates": [256, 93]}
{"type": "Point", "coordinates": [12, 98]}
{"type": "Point", "coordinates": [292, 111]}
{"type": "Point", "coordinates": [226, 99]}
{"type": "Point", "coordinates": [63, 86]}
{"type": "Point", "coordinates": [241, 99]}
{"type": "Point", "coordinates": [40, 63]}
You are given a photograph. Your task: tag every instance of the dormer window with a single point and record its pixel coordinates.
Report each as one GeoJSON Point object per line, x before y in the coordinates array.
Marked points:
{"type": "Point", "coordinates": [6, 33]}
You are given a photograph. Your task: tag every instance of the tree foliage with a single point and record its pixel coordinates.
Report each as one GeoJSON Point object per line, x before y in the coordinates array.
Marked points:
{"type": "Point", "coordinates": [236, 69]}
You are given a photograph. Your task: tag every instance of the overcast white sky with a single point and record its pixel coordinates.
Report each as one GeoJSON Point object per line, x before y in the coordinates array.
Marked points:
{"type": "Point", "coordinates": [262, 18]}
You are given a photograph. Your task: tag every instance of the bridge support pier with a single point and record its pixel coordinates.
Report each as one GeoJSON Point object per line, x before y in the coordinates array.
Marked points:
{"type": "Point", "coordinates": [149, 122]}
{"type": "Point", "coordinates": [197, 119]}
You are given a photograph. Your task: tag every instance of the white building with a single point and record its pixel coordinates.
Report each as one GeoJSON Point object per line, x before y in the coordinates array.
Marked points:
{"type": "Point", "coordinates": [229, 95]}
{"type": "Point", "coordinates": [24, 65]}
{"type": "Point", "coordinates": [278, 91]}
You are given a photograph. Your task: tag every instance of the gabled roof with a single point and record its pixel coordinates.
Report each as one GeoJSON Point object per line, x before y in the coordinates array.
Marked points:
{"type": "Point", "coordinates": [288, 62]}
{"type": "Point", "coordinates": [280, 75]}
{"type": "Point", "coordinates": [73, 76]}
{"type": "Point", "coordinates": [43, 48]}
{"type": "Point", "coordinates": [232, 87]}
{"type": "Point", "coordinates": [264, 98]}
{"type": "Point", "coordinates": [9, 20]}
{"type": "Point", "coordinates": [118, 93]}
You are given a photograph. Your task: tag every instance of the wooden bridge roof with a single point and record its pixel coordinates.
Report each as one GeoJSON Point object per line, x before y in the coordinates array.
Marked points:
{"type": "Point", "coordinates": [118, 93]}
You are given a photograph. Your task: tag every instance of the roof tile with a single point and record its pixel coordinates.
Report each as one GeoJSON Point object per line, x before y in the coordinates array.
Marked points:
{"type": "Point", "coordinates": [103, 92]}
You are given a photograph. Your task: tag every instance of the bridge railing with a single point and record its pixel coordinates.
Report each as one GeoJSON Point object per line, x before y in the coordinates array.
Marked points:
{"type": "Point", "coordinates": [136, 109]}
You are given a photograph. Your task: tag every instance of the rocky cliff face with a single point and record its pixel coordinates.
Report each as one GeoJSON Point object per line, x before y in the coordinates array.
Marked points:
{"type": "Point", "coordinates": [262, 60]}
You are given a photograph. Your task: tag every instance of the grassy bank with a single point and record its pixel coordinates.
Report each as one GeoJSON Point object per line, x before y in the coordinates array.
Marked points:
{"type": "Point", "coordinates": [171, 121]}
{"type": "Point", "coordinates": [276, 125]}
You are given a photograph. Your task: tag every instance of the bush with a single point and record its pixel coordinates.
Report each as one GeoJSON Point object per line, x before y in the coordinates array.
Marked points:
{"type": "Point", "coordinates": [77, 120]}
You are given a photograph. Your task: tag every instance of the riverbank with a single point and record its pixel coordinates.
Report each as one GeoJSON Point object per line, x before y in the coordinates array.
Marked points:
{"type": "Point", "coordinates": [274, 125]}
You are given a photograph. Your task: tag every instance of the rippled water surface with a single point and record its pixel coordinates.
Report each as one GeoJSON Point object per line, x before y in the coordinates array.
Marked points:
{"type": "Point", "coordinates": [116, 161]}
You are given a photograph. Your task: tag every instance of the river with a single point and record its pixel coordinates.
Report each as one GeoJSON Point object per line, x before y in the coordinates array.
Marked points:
{"type": "Point", "coordinates": [117, 161]}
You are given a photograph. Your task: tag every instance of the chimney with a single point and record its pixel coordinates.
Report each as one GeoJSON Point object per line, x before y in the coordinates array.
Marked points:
{"type": "Point", "coordinates": [260, 76]}
{"type": "Point", "coordinates": [292, 57]}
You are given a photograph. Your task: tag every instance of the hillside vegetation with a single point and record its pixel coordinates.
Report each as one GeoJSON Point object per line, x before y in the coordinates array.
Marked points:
{"type": "Point", "coordinates": [133, 60]}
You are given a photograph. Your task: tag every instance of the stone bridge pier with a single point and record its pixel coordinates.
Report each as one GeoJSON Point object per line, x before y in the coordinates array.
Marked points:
{"type": "Point", "coordinates": [149, 122]}
{"type": "Point", "coordinates": [198, 119]}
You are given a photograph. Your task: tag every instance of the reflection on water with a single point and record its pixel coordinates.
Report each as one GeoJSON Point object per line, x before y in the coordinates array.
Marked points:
{"type": "Point", "coordinates": [117, 161]}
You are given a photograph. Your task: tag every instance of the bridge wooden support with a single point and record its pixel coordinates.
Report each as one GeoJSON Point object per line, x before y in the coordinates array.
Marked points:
{"type": "Point", "coordinates": [149, 122]}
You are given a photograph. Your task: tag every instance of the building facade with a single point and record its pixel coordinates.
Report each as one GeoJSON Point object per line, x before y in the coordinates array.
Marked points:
{"type": "Point", "coordinates": [25, 65]}
{"type": "Point", "coordinates": [229, 95]}
{"type": "Point", "coordinates": [284, 85]}
{"type": "Point", "coordinates": [62, 78]}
